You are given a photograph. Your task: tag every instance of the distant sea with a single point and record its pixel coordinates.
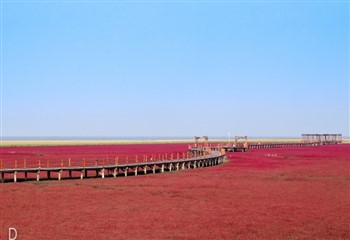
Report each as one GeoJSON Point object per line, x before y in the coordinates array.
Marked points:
{"type": "Point", "coordinates": [43, 138]}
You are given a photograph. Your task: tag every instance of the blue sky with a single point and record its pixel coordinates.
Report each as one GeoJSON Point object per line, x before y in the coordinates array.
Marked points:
{"type": "Point", "coordinates": [78, 68]}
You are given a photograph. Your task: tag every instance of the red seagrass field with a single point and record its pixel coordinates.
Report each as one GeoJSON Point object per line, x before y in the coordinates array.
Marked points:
{"type": "Point", "coordinates": [281, 193]}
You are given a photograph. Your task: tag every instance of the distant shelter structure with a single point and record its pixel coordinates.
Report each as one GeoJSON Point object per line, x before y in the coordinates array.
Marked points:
{"type": "Point", "coordinates": [322, 139]}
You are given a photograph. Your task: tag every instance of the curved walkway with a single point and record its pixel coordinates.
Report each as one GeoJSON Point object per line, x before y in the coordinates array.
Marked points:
{"type": "Point", "coordinates": [212, 159]}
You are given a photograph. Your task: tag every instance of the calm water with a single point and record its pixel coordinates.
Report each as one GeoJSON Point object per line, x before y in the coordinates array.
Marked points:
{"type": "Point", "coordinates": [21, 138]}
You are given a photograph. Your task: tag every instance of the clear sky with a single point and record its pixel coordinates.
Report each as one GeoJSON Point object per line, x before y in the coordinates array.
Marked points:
{"type": "Point", "coordinates": [90, 68]}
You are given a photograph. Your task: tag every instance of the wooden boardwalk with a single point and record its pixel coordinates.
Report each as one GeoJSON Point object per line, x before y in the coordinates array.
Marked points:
{"type": "Point", "coordinates": [11, 174]}
{"type": "Point", "coordinates": [274, 145]}
{"type": "Point", "coordinates": [239, 146]}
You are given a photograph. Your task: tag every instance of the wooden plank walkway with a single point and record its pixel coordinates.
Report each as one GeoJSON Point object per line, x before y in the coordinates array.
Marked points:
{"type": "Point", "coordinates": [274, 145]}
{"type": "Point", "coordinates": [11, 174]}
{"type": "Point", "coordinates": [282, 145]}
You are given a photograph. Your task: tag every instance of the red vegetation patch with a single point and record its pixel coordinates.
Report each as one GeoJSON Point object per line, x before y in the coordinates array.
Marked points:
{"type": "Point", "coordinates": [292, 193]}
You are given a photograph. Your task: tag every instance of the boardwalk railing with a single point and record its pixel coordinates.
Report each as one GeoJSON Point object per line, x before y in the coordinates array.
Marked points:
{"type": "Point", "coordinates": [295, 144]}
{"type": "Point", "coordinates": [211, 159]}
{"type": "Point", "coordinates": [241, 148]}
